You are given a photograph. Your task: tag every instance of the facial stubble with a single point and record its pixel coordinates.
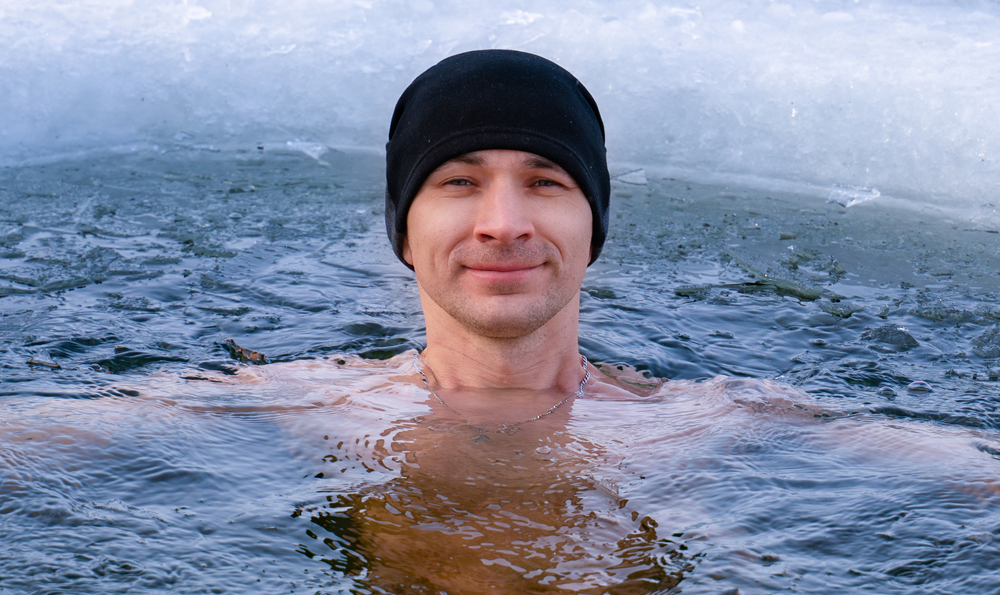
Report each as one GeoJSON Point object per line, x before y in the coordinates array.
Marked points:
{"type": "Point", "coordinates": [506, 312]}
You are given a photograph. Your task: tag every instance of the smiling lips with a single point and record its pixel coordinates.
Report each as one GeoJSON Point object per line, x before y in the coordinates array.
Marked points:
{"type": "Point", "coordinates": [502, 271]}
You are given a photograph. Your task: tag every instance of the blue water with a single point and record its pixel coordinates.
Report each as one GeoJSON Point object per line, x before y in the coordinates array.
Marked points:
{"type": "Point", "coordinates": [138, 454]}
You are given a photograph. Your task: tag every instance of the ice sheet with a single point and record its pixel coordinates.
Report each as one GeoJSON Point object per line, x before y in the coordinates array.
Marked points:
{"type": "Point", "coordinates": [897, 98]}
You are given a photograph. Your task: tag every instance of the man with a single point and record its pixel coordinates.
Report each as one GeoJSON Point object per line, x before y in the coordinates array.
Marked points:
{"type": "Point", "coordinates": [497, 197]}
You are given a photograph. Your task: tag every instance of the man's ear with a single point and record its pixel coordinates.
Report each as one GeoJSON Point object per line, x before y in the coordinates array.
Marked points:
{"type": "Point", "coordinates": [407, 255]}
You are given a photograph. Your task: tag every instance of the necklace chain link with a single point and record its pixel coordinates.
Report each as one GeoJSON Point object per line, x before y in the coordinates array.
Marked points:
{"type": "Point", "coordinates": [509, 428]}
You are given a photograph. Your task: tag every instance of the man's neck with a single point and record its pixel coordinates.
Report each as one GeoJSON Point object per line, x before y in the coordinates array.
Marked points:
{"type": "Point", "coordinates": [547, 358]}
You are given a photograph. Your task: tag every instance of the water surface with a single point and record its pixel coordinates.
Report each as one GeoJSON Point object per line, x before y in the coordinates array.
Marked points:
{"type": "Point", "coordinates": [139, 453]}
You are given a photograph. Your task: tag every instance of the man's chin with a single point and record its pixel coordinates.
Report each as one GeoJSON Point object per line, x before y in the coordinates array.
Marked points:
{"type": "Point", "coordinates": [517, 286]}
{"type": "Point", "coordinates": [505, 331]}
{"type": "Point", "coordinates": [508, 322]}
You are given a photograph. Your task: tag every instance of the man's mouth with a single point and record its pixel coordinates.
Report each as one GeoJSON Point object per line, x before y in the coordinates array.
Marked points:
{"type": "Point", "coordinates": [503, 267]}
{"type": "Point", "coordinates": [502, 272]}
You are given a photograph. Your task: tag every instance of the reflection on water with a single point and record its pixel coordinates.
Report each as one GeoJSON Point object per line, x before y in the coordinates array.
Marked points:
{"type": "Point", "coordinates": [471, 512]}
{"type": "Point", "coordinates": [513, 516]}
{"type": "Point", "coordinates": [320, 477]}
{"type": "Point", "coordinates": [139, 452]}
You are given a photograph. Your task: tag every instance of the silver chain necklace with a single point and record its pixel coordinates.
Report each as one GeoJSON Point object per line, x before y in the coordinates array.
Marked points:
{"type": "Point", "coordinates": [510, 428]}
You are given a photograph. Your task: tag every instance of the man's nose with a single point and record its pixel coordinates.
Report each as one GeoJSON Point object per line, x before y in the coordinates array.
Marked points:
{"type": "Point", "coordinates": [503, 214]}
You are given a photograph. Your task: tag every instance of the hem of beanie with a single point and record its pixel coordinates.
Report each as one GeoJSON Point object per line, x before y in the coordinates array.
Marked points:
{"type": "Point", "coordinates": [410, 193]}
{"type": "Point", "coordinates": [489, 131]}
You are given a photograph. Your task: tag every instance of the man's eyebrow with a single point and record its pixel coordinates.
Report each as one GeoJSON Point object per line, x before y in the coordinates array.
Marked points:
{"type": "Point", "coordinates": [528, 162]}
{"type": "Point", "coordinates": [537, 162]}
{"type": "Point", "coordinates": [468, 159]}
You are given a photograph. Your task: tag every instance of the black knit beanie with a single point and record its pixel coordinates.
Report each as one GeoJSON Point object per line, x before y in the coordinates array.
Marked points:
{"type": "Point", "coordinates": [494, 99]}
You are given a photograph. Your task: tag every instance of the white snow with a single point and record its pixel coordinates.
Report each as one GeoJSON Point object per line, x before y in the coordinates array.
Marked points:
{"type": "Point", "coordinates": [899, 95]}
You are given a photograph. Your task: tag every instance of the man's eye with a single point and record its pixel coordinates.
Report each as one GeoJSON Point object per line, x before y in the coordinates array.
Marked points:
{"type": "Point", "coordinates": [547, 183]}
{"type": "Point", "coordinates": [457, 183]}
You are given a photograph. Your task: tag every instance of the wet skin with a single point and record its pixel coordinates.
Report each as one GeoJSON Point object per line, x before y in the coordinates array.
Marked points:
{"type": "Point", "coordinates": [500, 242]}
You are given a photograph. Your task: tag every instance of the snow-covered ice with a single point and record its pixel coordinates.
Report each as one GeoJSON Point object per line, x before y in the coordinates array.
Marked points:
{"type": "Point", "coordinates": [898, 96]}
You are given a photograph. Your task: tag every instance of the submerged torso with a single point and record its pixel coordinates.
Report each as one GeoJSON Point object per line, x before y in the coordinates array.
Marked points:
{"type": "Point", "coordinates": [438, 503]}
{"type": "Point", "coordinates": [724, 483]}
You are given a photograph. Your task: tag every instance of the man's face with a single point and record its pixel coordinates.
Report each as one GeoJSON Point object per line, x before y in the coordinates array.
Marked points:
{"type": "Point", "coordinates": [500, 241]}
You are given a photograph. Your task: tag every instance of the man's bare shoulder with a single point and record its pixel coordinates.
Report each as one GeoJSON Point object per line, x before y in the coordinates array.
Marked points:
{"type": "Point", "coordinates": [625, 382]}
{"type": "Point", "coordinates": [340, 367]}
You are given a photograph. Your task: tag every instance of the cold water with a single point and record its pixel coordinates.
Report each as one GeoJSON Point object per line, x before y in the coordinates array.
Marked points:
{"type": "Point", "coordinates": [854, 446]}
{"type": "Point", "coordinates": [205, 340]}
